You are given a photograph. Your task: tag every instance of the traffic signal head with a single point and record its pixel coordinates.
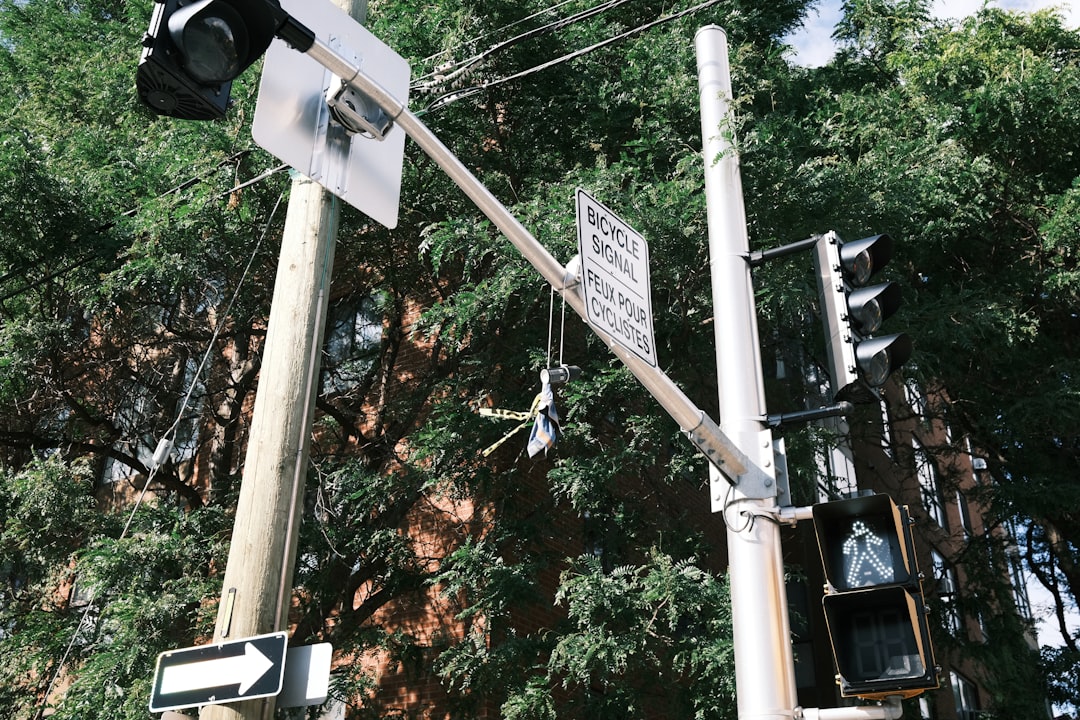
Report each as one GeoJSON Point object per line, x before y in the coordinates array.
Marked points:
{"type": "Point", "coordinates": [194, 49]}
{"type": "Point", "coordinates": [852, 312]}
{"type": "Point", "coordinates": [870, 306]}
{"type": "Point", "coordinates": [874, 607]}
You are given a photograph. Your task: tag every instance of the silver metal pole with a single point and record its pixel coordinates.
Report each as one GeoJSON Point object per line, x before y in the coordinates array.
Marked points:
{"type": "Point", "coordinates": [764, 666]}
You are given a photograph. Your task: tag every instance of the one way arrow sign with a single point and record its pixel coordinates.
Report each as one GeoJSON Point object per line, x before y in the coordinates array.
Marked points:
{"type": "Point", "coordinates": [225, 672]}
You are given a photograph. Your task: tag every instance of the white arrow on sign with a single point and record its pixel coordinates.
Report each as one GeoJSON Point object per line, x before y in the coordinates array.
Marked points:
{"type": "Point", "coordinates": [241, 669]}
{"type": "Point", "coordinates": [244, 669]}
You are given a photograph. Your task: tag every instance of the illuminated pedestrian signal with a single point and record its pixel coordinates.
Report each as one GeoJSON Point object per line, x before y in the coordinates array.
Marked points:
{"type": "Point", "coordinates": [874, 606]}
{"type": "Point", "coordinates": [852, 312]}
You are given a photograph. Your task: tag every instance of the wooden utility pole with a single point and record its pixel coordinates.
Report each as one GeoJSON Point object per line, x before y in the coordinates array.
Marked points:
{"type": "Point", "coordinates": [257, 588]}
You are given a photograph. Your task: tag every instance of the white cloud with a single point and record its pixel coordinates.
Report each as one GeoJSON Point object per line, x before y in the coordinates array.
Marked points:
{"type": "Point", "coordinates": [953, 9]}
{"type": "Point", "coordinates": [813, 45]}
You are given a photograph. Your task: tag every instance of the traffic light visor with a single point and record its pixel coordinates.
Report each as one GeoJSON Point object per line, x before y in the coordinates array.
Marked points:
{"type": "Point", "coordinates": [879, 357]}
{"type": "Point", "coordinates": [213, 39]}
{"type": "Point", "coordinates": [870, 306]}
{"type": "Point", "coordinates": [219, 39]}
{"type": "Point", "coordinates": [860, 259]}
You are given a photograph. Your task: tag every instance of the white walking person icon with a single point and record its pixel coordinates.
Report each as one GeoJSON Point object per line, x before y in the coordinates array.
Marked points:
{"type": "Point", "coordinates": [868, 558]}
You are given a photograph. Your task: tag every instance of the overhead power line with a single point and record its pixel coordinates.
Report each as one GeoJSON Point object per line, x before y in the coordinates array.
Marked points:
{"type": "Point", "coordinates": [478, 38]}
{"type": "Point", "coordinates": [95, 254]}
{"type": "Point", "coordinates": [454, 96]}
{"type": "Point", "coordinates": [449, 72]}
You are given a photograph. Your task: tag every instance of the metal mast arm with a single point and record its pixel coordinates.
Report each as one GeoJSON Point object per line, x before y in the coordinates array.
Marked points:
{"type": "Point", "coordinates": [703, 432]}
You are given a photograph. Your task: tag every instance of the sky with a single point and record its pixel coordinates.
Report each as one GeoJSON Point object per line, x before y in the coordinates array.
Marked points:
{"type": "Point", "coordinates": [814, 46]}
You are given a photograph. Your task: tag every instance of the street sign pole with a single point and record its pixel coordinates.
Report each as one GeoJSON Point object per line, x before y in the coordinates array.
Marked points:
{"type": "Point", "coordinates": [258, 583]}
{"type": "Point", "coordinates": [764, 666]}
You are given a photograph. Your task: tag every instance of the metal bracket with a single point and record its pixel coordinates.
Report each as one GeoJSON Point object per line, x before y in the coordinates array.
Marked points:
{"type": "Point", "coordinates": [778, 420]}
{"type": "Point", "coordinates": [890, 709]}
{"type": "Point", "coordinates": [356, 112]}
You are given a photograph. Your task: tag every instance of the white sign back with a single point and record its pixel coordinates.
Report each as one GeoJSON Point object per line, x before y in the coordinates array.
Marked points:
{"type": "Point", "coordinates": [292, 119]}
{"type": "Point", "coordinates": [615, 277]}
{"type": "Point", "coordinates": [307, 676]}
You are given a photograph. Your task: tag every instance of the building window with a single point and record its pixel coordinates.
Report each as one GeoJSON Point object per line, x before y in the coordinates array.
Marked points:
{"type": "Point", "coordinates": [600, 540]}
{"type": "Point", "coordinates": [133, 415]}
{"type": "Point", "coordinates": [837, 473]}
{"type": "Point", "coordinates": [966, 697]}
{"type": "Point", "coordinates": [984, 629]}
{"type": "Point", "coordinates": [1019, 584]}
{"type": "Point", "coordinates": [353, 337]}
{"type": "Point", "coordinates": [978, 465]}
{"type": "Point", "coordinates": [886, 428]}
{"type": "Point", "coordinates": [802, 638]}
{"type": "Point", "coordinates": [947, 584]}
{"type": "Point", "coordinates": [932, 499]}
{"type": "Point", "coordinates": [964, 507]}
{"type": "Point", "coordinates": [332, 709]}
{"type": "Point", "coordinates": [139, 411]}
{"type": "Point", "coordinates": [81, 594]}
{"type": "Point", "coordinates": [916, 398]}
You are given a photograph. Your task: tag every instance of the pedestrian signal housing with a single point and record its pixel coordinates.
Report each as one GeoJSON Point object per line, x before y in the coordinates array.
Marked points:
{"type": "Point", "coordinates": [874, 606]}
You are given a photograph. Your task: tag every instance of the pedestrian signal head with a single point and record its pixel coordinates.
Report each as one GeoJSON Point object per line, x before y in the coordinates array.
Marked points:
{"type": "Point", "coordinates": [873, 605]}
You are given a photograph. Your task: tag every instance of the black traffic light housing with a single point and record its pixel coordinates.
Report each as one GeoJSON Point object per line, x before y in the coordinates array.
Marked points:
{"type": "Point", "coordinates": [194, 49]}
{"type": "Point", "coordinates": [852, 312]}
{"type": "Point", "coordinates": [874, 606]}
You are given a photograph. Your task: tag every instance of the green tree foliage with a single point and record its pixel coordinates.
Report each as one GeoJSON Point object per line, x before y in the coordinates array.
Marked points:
{"type": "Point", "coordinates": [663, 623]}
{"type": "Point", "coordinates": [85, 607]}
{"type": "Point", "coordinates": [125, 237]}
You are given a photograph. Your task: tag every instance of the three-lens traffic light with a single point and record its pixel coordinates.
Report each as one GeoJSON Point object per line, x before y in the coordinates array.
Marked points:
{"type": "Point", "coordinates": [874, 606]}
{"type": "Point", "coordinates": [852, 312]}
{"type": "Point", "coordinates": [195, 48]}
